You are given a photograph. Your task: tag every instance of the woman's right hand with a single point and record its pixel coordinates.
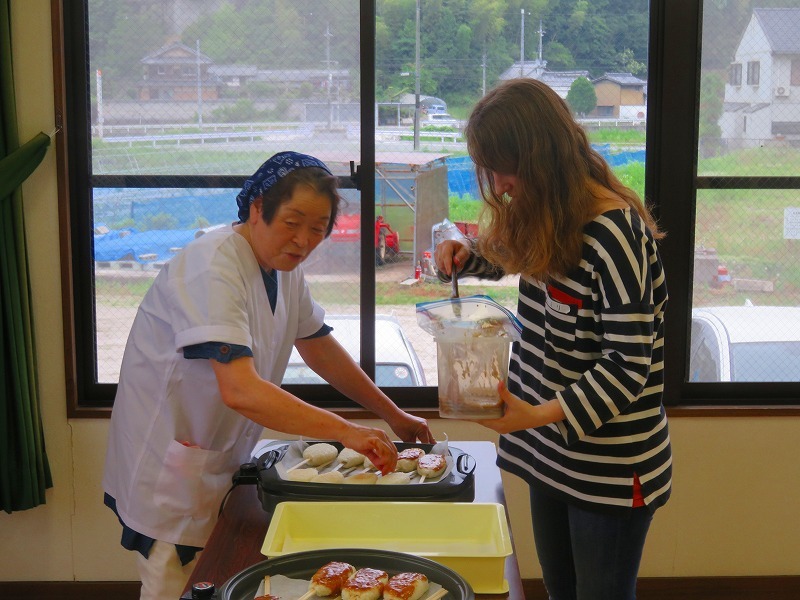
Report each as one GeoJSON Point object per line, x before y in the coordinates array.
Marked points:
{"type": "Point", "coordinates": [449, 253]}
{"type": "Point", "coordinates": [373, 443]}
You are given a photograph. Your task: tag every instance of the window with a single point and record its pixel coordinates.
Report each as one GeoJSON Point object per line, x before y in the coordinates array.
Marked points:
{"type": "Point", "coordinates": [740, 303]}
{"type": "Point", "coordinates": [735, 74]}
{"type": "Point", "coordinates": [753, 72]}
{"type": "Point", "coordinates": [159, 145]}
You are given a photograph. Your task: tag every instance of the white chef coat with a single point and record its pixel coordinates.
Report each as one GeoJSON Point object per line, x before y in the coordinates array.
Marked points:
{"type": "Point", "coordinates": [212, 291]}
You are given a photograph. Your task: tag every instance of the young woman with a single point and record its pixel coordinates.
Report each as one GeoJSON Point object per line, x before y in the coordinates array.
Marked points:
{"type": "Point", "coordinates": [584, 424]}
{"type": "Point", "coordinates": [202, 369]}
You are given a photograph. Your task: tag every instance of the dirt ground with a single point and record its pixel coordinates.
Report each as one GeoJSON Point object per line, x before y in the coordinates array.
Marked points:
{"type": "Point", "coordinates": [336, 261]}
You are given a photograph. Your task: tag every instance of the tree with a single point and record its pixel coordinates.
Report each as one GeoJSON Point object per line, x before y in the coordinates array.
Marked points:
{"type": "Point", "coordinates": [581, 96]}
{"type": "Point", "coordinates": [632, 66]}
{"type": "Point", "coordinates": [712, 92]}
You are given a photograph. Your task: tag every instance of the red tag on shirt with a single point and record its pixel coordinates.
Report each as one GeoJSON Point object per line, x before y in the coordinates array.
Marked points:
{"type": "Point", "coordinates": [638, 499]}
{"type": "Point", "coordinates": [559, 296]}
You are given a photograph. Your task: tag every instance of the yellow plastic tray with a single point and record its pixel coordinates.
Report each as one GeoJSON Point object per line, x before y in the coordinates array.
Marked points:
{"type": "Point", "coordinates": [470, 538]}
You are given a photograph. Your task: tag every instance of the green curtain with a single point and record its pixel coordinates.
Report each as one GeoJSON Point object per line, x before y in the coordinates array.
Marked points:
{"type": "Point", "coordinates": [24, 469]}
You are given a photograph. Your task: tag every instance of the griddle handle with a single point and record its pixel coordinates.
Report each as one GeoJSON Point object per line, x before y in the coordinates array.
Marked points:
{"type": "Point", "coordinates": [465, 464]}
{"type": "Point", "coordinates": [270, 458]}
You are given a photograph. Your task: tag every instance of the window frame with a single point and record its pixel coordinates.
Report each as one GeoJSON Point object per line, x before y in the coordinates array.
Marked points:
{"type": "Point", "coordinates": [675, 182]}
{"type": "Point", "coordinates": [735, 74]}
{"type": "Point", "coordinates": [671, 178]}
{"type": "Point", "coordinates": [753, 73]}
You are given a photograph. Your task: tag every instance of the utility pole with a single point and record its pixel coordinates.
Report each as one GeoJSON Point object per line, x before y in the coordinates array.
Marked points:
{"type": "Point", "coordinates": [522, 43]}
{"type": "Point", "coordinates": [541, 37]}
{"type": "Point", "coordinates": [199, 89]}
{"type": "Point", "coordinates": [483, 69]}
{"type": "Point", "coordinates": [100, 119]}
{"type": "Point", "coordinates": [416, 83]}
{"type": "Point", "coordinates": [328, 36]}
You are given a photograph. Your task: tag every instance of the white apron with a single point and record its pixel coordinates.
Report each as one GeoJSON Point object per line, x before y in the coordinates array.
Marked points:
{"type": "Point", "coordinates": [212, 291]}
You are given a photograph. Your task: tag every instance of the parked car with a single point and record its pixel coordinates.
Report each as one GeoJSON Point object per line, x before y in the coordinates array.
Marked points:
{"type": "Point", "coordinates": [441, 119]}
{"type": "Point", "coordinates": [396, 361]}
{"type": "Point", "coordinates": [745, 343]}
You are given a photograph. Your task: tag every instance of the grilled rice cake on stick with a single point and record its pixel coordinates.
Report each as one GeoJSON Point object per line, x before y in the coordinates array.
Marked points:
{"type": "Point", "coordinates": [406, 586]}
{"type": "Point", "coordinates": [362, 478]}
{"type": "Point", "coordinates": [302, 474]}
{"type": "Point", "coordinates": [431, 466]}
{"type": "Point", "coordinates": [365, 584]}
{"type": "Point", "coordinates": [349, 458]}
{"type": "Point", "coordinates": [395, 478]}
{"type": "Point", "coordinates": [328, 477]}
{"type": "Point", "coordinates": [320, 454]}
{"type": "Point", "coordinates": [329, 578]}
{"type": "Point", "coordinates": [408, 458]}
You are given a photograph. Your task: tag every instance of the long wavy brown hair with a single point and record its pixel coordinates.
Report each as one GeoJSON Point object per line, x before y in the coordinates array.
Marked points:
{"type": "Point", "coordinates": [523, 128]}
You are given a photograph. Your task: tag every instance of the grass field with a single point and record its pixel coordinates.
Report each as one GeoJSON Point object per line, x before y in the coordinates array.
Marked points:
{"type": "Point", "coordinates": [744, 227]}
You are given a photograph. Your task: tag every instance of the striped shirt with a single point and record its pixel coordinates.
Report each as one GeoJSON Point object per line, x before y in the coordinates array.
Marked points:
{"type": "Point", "coordinates": [594, 340]}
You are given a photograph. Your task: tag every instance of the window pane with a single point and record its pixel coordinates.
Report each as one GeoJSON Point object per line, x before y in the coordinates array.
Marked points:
{"type": "Point", "coordinates": [216, 88]}
{"type": "Point", "coordinates": [746, 288]}
{"type": "Point", "coordinates": [212, 89]}
{"type": "Point", "coordinates": [749, 129]}
{"type": "Point", "coordinates": [135, 232]}
{"type": "Point", "coordinates": [425, 92]}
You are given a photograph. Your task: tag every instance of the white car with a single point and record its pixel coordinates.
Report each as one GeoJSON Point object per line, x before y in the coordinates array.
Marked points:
{"type": "Point", "coordinates": [396, 361]}
{"type": "Point", "coordinates": [745, 343]}
{"type": "Point", "coordinates": [441, 119]}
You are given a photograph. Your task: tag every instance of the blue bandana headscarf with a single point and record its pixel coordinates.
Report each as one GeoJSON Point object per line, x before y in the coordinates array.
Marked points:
{"type": "Point", "coordinates": [268, 174]}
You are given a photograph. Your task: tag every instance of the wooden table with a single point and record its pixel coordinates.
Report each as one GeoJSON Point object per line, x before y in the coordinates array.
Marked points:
{"type": "Point", "coordinates": [235, 543]}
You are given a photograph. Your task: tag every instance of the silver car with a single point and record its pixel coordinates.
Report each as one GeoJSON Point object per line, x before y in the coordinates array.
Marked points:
{"type": "Point", "coordinates": [745, 343]}
{"type": "Point", "coordinates": [396, 361]}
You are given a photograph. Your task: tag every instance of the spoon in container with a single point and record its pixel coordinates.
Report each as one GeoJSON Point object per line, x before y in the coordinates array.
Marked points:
{"type": "Point", "coordinates": [454, 292]}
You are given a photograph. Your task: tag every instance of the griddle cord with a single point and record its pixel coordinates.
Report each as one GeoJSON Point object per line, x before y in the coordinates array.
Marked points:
{"type": "Point", "coordinates": [246, 475]}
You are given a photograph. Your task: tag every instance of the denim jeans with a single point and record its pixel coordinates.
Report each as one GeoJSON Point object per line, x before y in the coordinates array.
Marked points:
{"type": "Point", "coordinates": [585, 554]}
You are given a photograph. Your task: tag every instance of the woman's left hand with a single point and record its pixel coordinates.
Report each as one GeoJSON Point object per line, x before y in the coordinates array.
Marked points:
{"type": "Point", "coordinates": [520, 415]}
{"type": "Point", "coordinates": [411, 429]}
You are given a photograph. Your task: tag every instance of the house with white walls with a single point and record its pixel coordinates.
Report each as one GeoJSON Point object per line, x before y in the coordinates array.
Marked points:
{"type": "Point", "coordinates": [762, 94]}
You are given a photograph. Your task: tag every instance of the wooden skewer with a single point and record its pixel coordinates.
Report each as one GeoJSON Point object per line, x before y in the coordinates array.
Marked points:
{"type": "Point", "coordinates": [436, 595]}
{"type": "Point", "coordinates": [309, 594]}
{"type": "Point", "coordinates": [422, 479]}
{"type": "Point", "coordinates": [298, 465]}
{"type": "Point", "coordinates": [266, 584]}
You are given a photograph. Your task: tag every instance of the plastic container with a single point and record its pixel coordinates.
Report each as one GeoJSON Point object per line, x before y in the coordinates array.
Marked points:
{"type": "Point", "coordinates": [469, 369]}
{"type": "Point", "coordinates": [472, 539]}
{"type": "Point", "coordinates": [473, 341]}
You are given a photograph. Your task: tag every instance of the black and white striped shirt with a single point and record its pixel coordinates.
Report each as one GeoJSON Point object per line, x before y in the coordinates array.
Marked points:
{"type": "Point", "coordinates": [594, 339]}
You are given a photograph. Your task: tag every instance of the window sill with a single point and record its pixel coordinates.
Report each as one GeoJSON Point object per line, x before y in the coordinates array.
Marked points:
{"type": "Point", "coordinates": [732, 411]}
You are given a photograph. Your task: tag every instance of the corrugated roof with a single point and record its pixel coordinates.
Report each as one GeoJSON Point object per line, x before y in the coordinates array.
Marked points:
{"type": "Point", "coordinates": [782, 28]}
{"type": "Point", "coordinates": [621, 79]}
{"type": "Point", "coordinates": [190, 56]}
{"type": "Point", "coordinates": [233, 70]}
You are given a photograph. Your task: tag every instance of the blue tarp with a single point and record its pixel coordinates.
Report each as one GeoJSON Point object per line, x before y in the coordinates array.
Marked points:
{"type": "Point", "coordinates": [461, 172]}
{"type": "Point", "coordinates": [132, 245]}
{"type": "Point", "coordinates": [215, 206]}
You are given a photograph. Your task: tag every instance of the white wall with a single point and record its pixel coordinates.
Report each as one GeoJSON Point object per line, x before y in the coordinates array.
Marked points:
{"type": "Point", "coordinates": [737, 480]}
